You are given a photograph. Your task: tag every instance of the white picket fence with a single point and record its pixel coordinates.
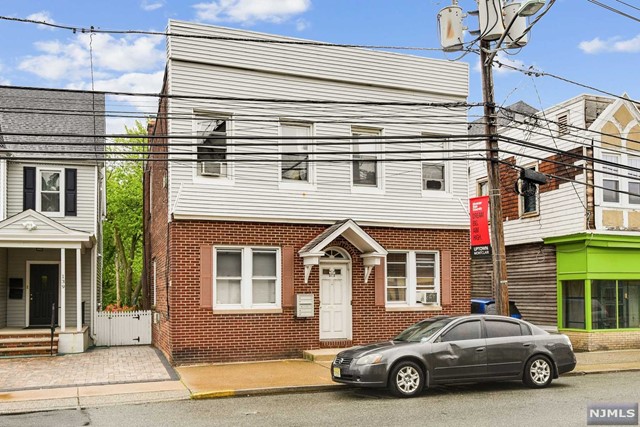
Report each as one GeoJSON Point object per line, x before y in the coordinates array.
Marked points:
{"type": "Point", "coordinates": [123, 328]}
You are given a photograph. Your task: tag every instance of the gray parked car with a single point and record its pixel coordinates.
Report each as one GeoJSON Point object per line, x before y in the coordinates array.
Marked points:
{"type": "Point", "coordinates": [445, 350]}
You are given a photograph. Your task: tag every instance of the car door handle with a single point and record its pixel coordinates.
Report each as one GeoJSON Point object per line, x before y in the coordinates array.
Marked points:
{"type": "Point", "coordinates": [479, 349]}
{"type": "Point", "coordinates": [527, 344]}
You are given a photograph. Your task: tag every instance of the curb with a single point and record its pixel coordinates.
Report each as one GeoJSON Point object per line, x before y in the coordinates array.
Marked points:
{"type": "Point", "coordinates": [265, 391]}
{"type": "Point", "coordinates": [599, 371]}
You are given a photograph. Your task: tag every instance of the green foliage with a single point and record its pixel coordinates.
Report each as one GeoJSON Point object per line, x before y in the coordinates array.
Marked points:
{"type": "Point", "coordinates": [123, 228]}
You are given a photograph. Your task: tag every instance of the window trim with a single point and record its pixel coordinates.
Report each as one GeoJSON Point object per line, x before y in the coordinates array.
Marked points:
{"type": "Point", "coordinates": [364, 131]}
{"type": "Point", "coordinates": [411, 280]}
{"type": "Point", "coordinates": [61, 190]}
{"type": "Point", "coordinates": [199, 116]}
{"type": "Point", "coordinates": [521, 202]}
{"type": "Point", "coordinates": [310, 183]}
{"type": "Point", "coordinates": [246, 278]}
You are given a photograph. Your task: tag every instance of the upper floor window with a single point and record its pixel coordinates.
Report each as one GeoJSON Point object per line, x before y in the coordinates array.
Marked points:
{"type": "Point", "coordinates": [49, 196]}
{"type": "Point", "coordinates": [52, 191]}
{"type": "Point", "coordinates": [247, 278]}
{"type": "Point", "coordinates": [212, 147]}
{"type": "Point", "coordinates": [295, 156]}
{"type": "Point", "coordinates": [528, 196]}
{"type": "Point", "coordinates": [365, 165]}
{"type": "Point", "coordinates": [634, 181]}
{"type": "Point", "coordinates": [412, 278]}
{"type": "Point", "coordinates": [434, 170]}
{"type": "Point", "coordinates": [482, 188]}
{"type": "Point", "coordinates": [611, 183]}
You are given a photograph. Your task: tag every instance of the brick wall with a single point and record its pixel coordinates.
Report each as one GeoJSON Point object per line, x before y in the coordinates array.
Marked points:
{"type": "Point", "coordinates": [198, 335]}
{"type": "Point", "coordinates": [597, 341]}
{"type": "Point", "coordinates": [156, 231]}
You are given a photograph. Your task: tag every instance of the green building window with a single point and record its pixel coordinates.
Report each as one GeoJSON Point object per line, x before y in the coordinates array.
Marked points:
{"type": "Point", "coordinates": [615, 304]}
{"type": "Point", "coordinates": [573, 304]}
{"type": "Point", "coordinates": [629, 304]}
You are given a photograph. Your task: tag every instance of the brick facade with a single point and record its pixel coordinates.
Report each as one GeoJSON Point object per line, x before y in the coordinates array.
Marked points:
{"type": "Point", "coordinates": [599, 341]}
{"type": "Point", "coordinates": [190, 334]}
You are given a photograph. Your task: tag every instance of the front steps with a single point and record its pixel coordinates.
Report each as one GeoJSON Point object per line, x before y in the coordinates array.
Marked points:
{"type": "Point", "coordinates": [25, 342]}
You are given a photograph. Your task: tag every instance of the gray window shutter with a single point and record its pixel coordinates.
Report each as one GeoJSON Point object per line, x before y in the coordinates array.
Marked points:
{"type": "Point", "coordinates": [29, 188]}
{"type": "Point", "coordinates": [70, 192]}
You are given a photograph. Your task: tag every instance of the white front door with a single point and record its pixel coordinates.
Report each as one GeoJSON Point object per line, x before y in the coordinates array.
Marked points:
{"type": "Point", "coordinates": [335, 302]}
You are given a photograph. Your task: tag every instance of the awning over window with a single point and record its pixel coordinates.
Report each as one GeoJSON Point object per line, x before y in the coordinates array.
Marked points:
{"type": "Point", "coordinates": [372, 251]}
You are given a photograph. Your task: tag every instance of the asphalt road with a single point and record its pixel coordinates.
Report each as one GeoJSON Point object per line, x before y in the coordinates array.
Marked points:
{"type": "Point", "coordinates": [493, 404]}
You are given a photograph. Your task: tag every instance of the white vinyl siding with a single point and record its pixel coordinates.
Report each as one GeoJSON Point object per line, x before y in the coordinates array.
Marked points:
{"type": "Point", "coordinates": [258, 183]}
{"type": "Point", "coordinates": [86, 196]}
{"type": "Point", "coordinates": [562, 211]}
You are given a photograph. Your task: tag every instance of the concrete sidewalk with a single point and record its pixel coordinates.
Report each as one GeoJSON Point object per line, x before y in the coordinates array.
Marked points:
{"type": "Point", "coordinates": [241, 379]}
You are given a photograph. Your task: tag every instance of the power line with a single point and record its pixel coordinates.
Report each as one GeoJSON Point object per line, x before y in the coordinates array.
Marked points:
{"type": "Point", "coordinates": [614, 10]}
{"type": "Point", "coordinates": [93, 30]}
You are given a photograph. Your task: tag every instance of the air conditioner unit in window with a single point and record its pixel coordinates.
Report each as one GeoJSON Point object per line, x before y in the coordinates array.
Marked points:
{"type": "Point", "coordinates": [210, 168]}
{"type": "Point", "coordinates": [427, 297]}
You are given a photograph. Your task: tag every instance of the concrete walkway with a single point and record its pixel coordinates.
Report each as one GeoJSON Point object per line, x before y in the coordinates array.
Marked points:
{"type": "Point", "coordinates": [132, 383]}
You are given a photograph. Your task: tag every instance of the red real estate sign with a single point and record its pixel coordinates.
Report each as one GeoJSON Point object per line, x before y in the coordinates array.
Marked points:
{"type": "Point", "coordinates": [479, 215]}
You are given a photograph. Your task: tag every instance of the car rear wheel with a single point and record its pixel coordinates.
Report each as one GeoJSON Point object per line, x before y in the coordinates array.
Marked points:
{"type": "Point", "coordinates": [538, 372]}
{"type": "Point", "coordinates": [406, 379]}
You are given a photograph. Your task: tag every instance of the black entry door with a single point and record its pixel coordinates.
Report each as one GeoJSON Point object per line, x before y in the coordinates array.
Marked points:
{"type": "Point", "coordinates": [44, 294]}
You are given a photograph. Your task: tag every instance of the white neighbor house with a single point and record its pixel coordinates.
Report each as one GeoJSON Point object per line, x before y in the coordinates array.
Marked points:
{"type": "Point", "coordinates": [51, 208]}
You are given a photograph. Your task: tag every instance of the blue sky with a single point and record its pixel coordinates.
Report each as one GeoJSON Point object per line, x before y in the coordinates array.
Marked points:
{"type": "Point", "coordinates": [576, 40]}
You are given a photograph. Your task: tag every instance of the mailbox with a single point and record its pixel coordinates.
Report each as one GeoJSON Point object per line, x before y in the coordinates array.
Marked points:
{"type": "Point", "coordinates": [304, 305]}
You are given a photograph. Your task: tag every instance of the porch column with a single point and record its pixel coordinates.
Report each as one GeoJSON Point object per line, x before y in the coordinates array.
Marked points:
{"type": "Point", "coordinates": [78, 290]}
{"type": "Point", "coordinates": [62, 291]}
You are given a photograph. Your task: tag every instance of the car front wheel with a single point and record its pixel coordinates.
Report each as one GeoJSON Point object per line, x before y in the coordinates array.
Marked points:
{"type": "Point", "coordinates": [406, 379]}
{"type": "Point", "coordinates": [538, 372]}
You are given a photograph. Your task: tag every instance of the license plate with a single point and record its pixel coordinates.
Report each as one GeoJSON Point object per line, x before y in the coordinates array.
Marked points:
{"type": "Point", "coordinates": [336, 372]}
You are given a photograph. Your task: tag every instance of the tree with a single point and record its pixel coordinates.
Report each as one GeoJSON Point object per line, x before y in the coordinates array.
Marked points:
{"type": "Point", "coordinates": [123, 233]}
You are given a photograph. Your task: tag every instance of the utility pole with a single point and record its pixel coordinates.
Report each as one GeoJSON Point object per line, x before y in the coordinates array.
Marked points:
{"type": "Point", "coordinates": [498, 252]}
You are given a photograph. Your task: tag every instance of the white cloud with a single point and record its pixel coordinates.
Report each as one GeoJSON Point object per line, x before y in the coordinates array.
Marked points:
{"type": "Point", "coordinates": [149, 5]}
{"type": "Point", "coordinates": [250, 11]}
{"type": "Point", "coordinates": [614, 44]}
{"type": "Point", "coordinates": [302, 24]}
{"type": "Point", "coordinates": [42, 16]}
{"type": "Point", "coordinates": [131, 82]}
{"type": "Point", "coordinates": [72, 61]}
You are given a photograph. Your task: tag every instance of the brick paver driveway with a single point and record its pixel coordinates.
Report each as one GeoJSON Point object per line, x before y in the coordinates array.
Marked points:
{"type": "Point", "coordinates": [113, 365]}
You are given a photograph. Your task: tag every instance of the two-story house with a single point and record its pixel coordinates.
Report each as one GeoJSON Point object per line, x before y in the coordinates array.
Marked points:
{"type": "Point", "coordinates": [51, 203]}
{"type": "Point", "coordinates": [301, 196]}
{"type": "Point", "coordinates": [572, 243]}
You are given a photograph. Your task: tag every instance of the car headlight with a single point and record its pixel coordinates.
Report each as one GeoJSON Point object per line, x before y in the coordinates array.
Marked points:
{"type": "Point", "coordinates": [370, 359]}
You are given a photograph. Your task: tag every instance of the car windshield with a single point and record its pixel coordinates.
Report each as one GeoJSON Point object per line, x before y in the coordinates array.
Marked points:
{"type": "Point", "coordinates": [422, 330]}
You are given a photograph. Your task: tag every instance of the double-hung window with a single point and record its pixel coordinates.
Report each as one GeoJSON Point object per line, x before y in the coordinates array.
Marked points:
{"type": "Point", "coordinates": [49, 198]}
{"type": "Point", "coordinates": [434, 170]}
{"type": "Point", "coordinates": [247, 278]}
{"type": "Point", "coordinates": [294, 165]}
{"type": "Point", "coordinates": [212, 147]}
{"type": "Point", "coordinates": [610, 181]}
{"type": "Point", "coordinates": [412, 278]}
{"type": "Point", "coordinates": [365, 164]}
